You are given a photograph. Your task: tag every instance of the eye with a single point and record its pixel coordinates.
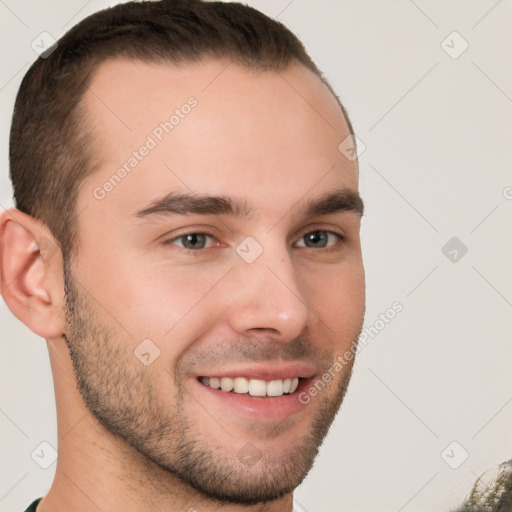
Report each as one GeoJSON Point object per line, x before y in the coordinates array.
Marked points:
{"type": "Point", "coordinates": [193, 241]}
{"type": "Point", "coordinates": [319, 239]}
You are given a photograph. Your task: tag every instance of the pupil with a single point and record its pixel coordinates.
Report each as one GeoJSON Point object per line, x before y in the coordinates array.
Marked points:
{"type": "Point", "coordinates": [193, 241]}
{"type": "Point", "coordinates": [316, 238]}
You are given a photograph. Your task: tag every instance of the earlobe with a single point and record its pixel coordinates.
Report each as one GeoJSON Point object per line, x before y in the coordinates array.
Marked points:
{"type": "Point", "coordinates": [31, 273]}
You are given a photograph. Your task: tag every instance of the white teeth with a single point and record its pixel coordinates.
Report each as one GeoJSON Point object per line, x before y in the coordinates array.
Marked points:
{"type": "Point", "coordinates": [214, 383]}
{"type": "Point", "coordinates": [275, 388]}
{"type": "Point", "coordinates": [255, 387]}
{"type": "Point", "coordinates": [241, 385]}
{"type": "Point", "coordinates": [226, 384]}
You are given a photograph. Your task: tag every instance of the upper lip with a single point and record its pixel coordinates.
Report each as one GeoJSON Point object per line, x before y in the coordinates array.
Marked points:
{"type": "Point", "coordinates": [264, 372]}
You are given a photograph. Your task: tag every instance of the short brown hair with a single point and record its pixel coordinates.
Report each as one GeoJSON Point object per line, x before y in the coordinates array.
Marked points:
{"type": "Point", "coordinates": [51, 151]}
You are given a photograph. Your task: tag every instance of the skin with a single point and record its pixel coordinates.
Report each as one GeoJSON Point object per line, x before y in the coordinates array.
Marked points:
{"type": "Point", "coordinates": [142, 437]}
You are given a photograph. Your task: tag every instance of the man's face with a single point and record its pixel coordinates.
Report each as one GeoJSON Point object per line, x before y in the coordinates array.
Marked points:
{"type": "Point", "coordinates": [167, 296]}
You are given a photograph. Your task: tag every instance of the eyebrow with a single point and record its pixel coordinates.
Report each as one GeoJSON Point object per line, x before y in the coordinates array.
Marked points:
{"type": "Point", "coordinates": [337, 201]}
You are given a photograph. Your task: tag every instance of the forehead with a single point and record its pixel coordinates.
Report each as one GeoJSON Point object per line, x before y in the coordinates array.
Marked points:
{"type": "Point", "coordinates": [212, 127]}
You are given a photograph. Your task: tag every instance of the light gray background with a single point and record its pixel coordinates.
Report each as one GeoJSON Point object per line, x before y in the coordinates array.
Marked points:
{"type": "Point", "coordinates": [437, 163]}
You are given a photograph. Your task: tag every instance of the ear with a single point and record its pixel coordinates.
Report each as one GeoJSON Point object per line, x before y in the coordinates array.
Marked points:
{"type": "Point", "coordinates": [31, 273]}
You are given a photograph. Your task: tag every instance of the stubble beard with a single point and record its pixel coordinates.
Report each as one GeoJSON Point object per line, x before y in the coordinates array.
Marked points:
{"type": "Point", "coordinates": [122, 396]}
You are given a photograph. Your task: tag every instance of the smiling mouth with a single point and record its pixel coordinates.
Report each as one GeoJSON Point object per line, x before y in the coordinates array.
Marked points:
{"type": "Point", "coordinates": [253, 387]}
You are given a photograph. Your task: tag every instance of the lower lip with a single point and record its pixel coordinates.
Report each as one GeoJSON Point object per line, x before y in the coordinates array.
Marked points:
{"type": "Point", "coordinates": [261, 408]}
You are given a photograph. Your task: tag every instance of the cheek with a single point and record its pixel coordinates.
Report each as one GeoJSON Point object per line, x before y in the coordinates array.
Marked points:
{"type": "Point", "coordinates": [172, 306]}
{"type": "Point", "coordinates": [163, 303]}
{"type": "Point", "coordinates": [338, 299]}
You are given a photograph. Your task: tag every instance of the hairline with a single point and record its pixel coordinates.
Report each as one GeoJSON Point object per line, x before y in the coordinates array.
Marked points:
{"type": "Point", "coordinates": [94, 143]}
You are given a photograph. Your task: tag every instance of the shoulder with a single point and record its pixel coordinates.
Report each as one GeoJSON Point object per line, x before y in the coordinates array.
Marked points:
{"type": "Point", "coordinates": [33, 505]}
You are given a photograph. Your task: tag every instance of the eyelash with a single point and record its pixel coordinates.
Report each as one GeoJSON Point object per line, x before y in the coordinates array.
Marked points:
{"type": "Point", "coordinates": [341, 238]}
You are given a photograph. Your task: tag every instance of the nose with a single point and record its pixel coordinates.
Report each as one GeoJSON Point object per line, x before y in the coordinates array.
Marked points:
{"type": "Point", "coordinates": [268, 299]}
